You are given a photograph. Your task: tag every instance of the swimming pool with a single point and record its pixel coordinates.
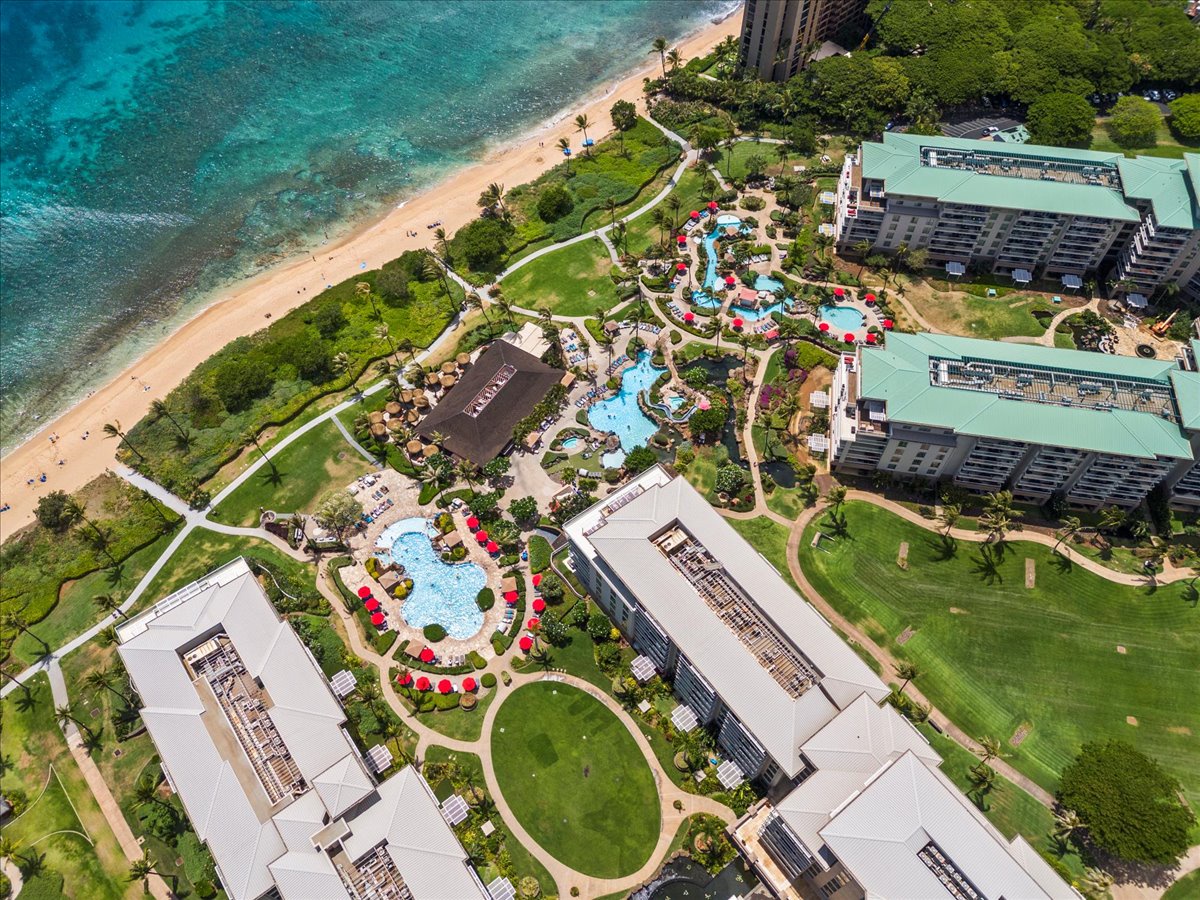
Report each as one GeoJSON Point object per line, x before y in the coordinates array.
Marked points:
{"type": "Point", "coordinates": [570, 443]}
{"type": "Point", "coordinates": [710, 242]}
{"type": "Point", "coordinates": [767, 283]}
{"type": "Point", "coordinates": [842, 318]}
{"type": "Point", "coordinates": [621, 414]}
{"type": "Point", "coordinates": [441, 593]}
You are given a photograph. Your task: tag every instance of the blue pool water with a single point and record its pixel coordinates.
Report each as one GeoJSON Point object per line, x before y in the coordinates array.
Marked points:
{"type": "Point", "coordinates": [764, 312]}
{"type": "Point", "coordinates": [613, 459]}
{"type": "Point", "coordinates": [706, 300]}
{"type": "Point", "coordinates": [441, 593]}
{"type": "Point", "coordinates": [710, 241]}
{"type": "Point", "coordinates": [620, 414]}
{"type": "Point", "coordinates": [842, 318]}
{"type": "Point", "coordinates": [767, 283]}
{"type": "Point", "coordinates": [570, 443]}
{"type": "Point", "coordinates": [674, 402]}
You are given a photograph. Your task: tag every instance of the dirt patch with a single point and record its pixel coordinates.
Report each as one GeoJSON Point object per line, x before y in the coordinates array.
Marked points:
{"type": "Point", "coordinates": [1020, 734]}
{"type": "Point", "coordinates": [902, 556]}
{"type": "Point", "coordinates": [1029, 573]}
{"type": "Point", "coordinates": [1131, 720]}
{"type": "Point", "coordinates": [904, 636]}
{"type": "Point", "coordinates": [954, 610]}
{"type": "Point", "coordinates": [1121, 649]}
{"type": "Point", "coordinates": [1179, 729]}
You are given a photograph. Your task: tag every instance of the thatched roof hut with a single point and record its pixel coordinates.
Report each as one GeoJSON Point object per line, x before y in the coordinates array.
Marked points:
{"type": "Point", "coordinates": [429, 451]}
{"type": "Point", "coordinates": [448, 368]}
{"type": "Point", "coordinates": [448, 381]}
{"type": "Point", "coordinates": [375, 418]}
{"type": "Point", "coordinates": [388, 581]}
{"type": "Point", "coordinates": [379, 431]}
{"type": "Point", "coordinates": [421, 402]}
{"type": "Point", "coordinates": [392, 409]}
{"type": "Point", "coordinates": [451, 540]}
{"type": "Point", "coordinates": [395, 426]}
{"type": "Point", "coordinates": [431, 379]}
{"type": "Point", "coordinates": [406, 396]}
{"type": "Point", "coordinates": [413, 417]}
{"type": "Point", "coordinates": [413, 447]}
{"type": "Point", "coordinates": [463, 360]}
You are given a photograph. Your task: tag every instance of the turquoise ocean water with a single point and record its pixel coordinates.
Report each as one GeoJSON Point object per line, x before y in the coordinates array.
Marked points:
{"type": "Point", "coordinates": [152, 152]}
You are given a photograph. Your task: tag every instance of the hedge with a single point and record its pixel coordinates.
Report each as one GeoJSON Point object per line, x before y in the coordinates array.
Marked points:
{"type": "Point", "coordinates": [434, 633]}
{"type": "Point", "coordinates": [488, 680]}
{"type": "Point", "coordinates": [539, 554]}
{"type": "Point", "coordinates": [383, 643]}
{"type": "Point", "coordinates": [485, 600]}
{"type": "Point", "coordinates": [428, 491]}
{"type": "Point", "coordinates": [476, 660]}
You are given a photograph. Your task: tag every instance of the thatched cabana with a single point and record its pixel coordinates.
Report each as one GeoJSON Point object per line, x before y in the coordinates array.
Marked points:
{"type": "Point", "coordinates": [388, 581]}
{"type": "Point", "coordinates": [421, 402]}
{"type": "Point", "coordinates": [392, 409]}
{"type": "Point", "coordinates": [413, 447]}
{"type": "Point", "coordinates": [463, 360]}
{"type": "Point", "coordinates": [413, 417]}
{"type": "Point", "coordinates": [395, 426]}
{"type": "Point", "coordinates": [431, 379]}
{"type": "Point", "coordinates": [429, 451]}
{"type": "Point", "coordinates": [451, 540]}
{"type": "Point", "coordinates": [375, 418]}
{"type": "Point", "coordinates": [448, 381]}
{"type": "Point", "coordinates": [379, 431]}
{"type": "Point", "coordinates": [448, 368]}
{"type": "Point", "coordinates": [508, 584]}
{"type": "Point", "coordinates": [406, 397]}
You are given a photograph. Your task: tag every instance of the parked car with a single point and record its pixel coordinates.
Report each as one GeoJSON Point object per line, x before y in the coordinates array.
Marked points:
{"type": "Point", "coordinates": [1169, 95]}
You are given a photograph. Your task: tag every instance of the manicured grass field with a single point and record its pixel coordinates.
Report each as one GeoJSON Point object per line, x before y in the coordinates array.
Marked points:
{"type": "Point", "coordinates": [63, 825]}
{"type": "Point", "coordinates": [1167, 145]}
{"type": "Point", "coordinates": [320, 461]}
{"type": "Point", "coordinates": [460, 724]}
{"type": "Point", "coordinates": [769, 538]}
{"type": "Point", "coordinates": [986, 317]}
{"type": "Point", "coordinates": [997, 657]}
{"type": "Point", "coordinates": [571, 281]}
{"type": "Point", "coordinates": [642, 230]}
{"type": "Point", "coordinates": [1186, 888]}
{"type": "Point", "coordinates": [576, 779]}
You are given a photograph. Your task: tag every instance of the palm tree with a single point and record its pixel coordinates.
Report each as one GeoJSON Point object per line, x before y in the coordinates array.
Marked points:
{"type": "Point", "coordinates": [383, 333]}
{"type": "Point", "coordinates": [675, 58]}
{"type": "Point", "coordinates": [393, 730]}
{"type": "Point", "coordinates": [15, 621]}
{"type": "Point", "coordinates": [1112, 518]}
{"type": "Point", "coordinates": [363, 289]}
{"type": "Point", "coordinates": [1096, 882]}
{"type": "Point", "coordinates": [141, 870]}
{"type": "Point", "coordinates": [432, 268]}
{"type": "Point", "coordinates": [565, 146]}
{"type": "Point", "coordinates": [674, 204]}
{"type": "Point", "coordinates": [659, 46]}
{"type": "Point", "coordinates": [998, 516]}
{"type": "Point", "coordinates": [621, 237]}
{"type": "Point", "coordinates": [1070, 527]}
{"type": "Point", "coordinates": [8, 847]}
{"type": "Point", "coordinates": [610, 204]}
{"type": "Point", "coordinates": [744, 340]}
{"type": "Point", "coordinates": [465, 470]}
{"type": "Point", "coordinates": [583, 123]}
{"type": "Point", "coordinates": [659, 217]}
{"type": "Point", "coordinates": [113, 429]}
{"type": "Point", "coordinates": [908, 671]}
{"type": "Point", "coordinates": [950, 516]}
{"type": "Point", "coordinates": [102, 680]}
{"type": "Point", "coordinates": [65, 713]}
{"type": "Point", "coordinates": [442, 242]}
{"type": "Point", "coordinates": [474, 301]}
{"type": "Point", "coordinates": [109, 604]}
{"type": "Point", "coordinates": [983, 777]}
{"type": "Point", "coordinates": [340, 362]}
{"type": "Point", "coordinates": [862, 248]}
{"type": "Point", "coordinates": [249, 437]}
{"type": "Point", "coordinates": [836, 497]}
{"type": "Point", "coordinates": [1066, 823]}
{"type": "Point", "coordinates": [990, 748]}
{"type": "Point", "coordinates": [159, 409]}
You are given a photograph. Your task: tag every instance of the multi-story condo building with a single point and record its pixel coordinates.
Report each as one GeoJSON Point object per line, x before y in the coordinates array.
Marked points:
{"type": "Point", "coordinates": [1012, 209]}
{"type": "Point", "coordinates": [777, 35]}
{"type": "Point", "coordinates": [253, 741]}
{"type": "Point", "coordinates": [1095, 429]}
{"type": "Point", "coordinates": [857, 806]}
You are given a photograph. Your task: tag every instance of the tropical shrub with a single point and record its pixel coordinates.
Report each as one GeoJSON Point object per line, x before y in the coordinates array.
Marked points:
{"type": "Point", "coordinates": [434, 633]}
{"type": "Point", "coordinates": [486, 599]}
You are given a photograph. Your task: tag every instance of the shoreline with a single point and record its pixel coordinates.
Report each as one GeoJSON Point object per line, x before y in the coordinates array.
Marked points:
{"type": "Point", "coordinates": [249, 305]}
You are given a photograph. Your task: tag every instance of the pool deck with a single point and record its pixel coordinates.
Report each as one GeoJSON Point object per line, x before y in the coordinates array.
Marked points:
{"type": "Point", "coordinates": [404, 493]}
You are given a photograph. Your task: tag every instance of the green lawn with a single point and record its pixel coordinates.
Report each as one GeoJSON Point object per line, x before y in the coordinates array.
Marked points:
{"type": "Point", "coordinates": [460, 724]}
{"type": "Point", "coordinates": [769, 538]}
{"type": "Point", "coordinates": [1186, 888]}
{"type": "Point", "coordinates": [320, 461]}
{"type": "Point", "coordinates": [62, 825]}
{"type": "Point", "coordinates": [786, 502]}
{"type": "Point", "coordinates": [642, 230]}
{"type": "Point", "coordinates": [571, 281]}
{"type": "Point", "coordinates": [996, 656]}
{"type": "Point", "coordinates": [575, 779]}
{"type": "Point", "coordinates": [987, 317]}
{"type": "Point", "coordinates": [702, 471]}
{"type": "Point", "coordinates": [1167, 145]}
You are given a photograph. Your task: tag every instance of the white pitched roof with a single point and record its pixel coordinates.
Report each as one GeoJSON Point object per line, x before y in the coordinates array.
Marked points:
{"type": "Point", "coordinates": [879, 833]}
{"type": "Point", "coordinates": [778, 721]}
{"type": "Point", "coordinates": [343, 784]}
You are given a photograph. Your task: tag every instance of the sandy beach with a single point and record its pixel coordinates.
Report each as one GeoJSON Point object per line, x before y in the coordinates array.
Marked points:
{"type": "Point", "coordinates": [243, 309]}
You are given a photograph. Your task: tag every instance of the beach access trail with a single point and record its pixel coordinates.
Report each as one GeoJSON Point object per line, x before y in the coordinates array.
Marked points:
{"type": "Point", "coordinates": [243, 310]}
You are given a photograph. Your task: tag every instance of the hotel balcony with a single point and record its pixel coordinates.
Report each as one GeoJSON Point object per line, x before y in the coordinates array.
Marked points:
{"type": "Point", "coordinates": [748, 837]}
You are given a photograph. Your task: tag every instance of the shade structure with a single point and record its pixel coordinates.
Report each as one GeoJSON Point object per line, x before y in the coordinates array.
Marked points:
{"type": "Point", "coordinates": [537, 579]}
{"type": "Point", "coordinates": [848, 338]}
{"type": "Point", "coordinates": [870, 298]}
{"type": "Point", "coordinates": [510, 597]}
{"type": "Point", "coordinates": [378, 618]}
{"type": "Point", "coordinates": [682, 239]}
{"type": "Point", "coordinates": [681, 267]}
{"type": "Point", "coordinates": [712, 204]}
{"type": "Point", "coordinates": [404, 679]}
{"type": "Point", "coordinates": [427, 655]}
{"type": "Point", "coordinates": [689, 317]}
{"type": "Point", "coordinates": [469, 684]}
{"type": "Point", "coordinates": [364, 592]}
{"type": "Point", "coordinates": [539, 605]}
{"type": "Point", "coordinates": [445, 687]}
{"type": "Point", "coordinates": [871, 339]}
{"type": "Point", "coordinates": [730, 280]}
{"type": "Point", "coordinates": [473, 523]}
{"type": "Point", "coordinates": [534, 622]}
{"type": "Point", "coordinates": [422, 683]}
{"type": "Point", "coordinates": [526, 643]}
{"type": "Point", "coordinates": [493, 547]}
{"type": "Point", "coordinates": [738, 323]}
{"type": "Point", "coordinates": [772, 335]}
{"type": "Point", "coordinates": [372, 604]}
{"type": "Point", "coordinates": [694, 214]}
{"type": "Point", "coordinates": [887, 323]}
{"type": "Point", "coordinates": [824, 326]}
{"type": "Point", "coordinates": [839, 292]}
{"type": "Point", "coordinates": [481, 536]}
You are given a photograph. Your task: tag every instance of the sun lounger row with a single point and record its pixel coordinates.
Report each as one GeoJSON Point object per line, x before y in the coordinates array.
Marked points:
{"type": "Point", "coordinates": [760, 258]}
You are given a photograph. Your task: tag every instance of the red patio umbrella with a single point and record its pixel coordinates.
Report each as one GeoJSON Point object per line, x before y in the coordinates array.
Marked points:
{"type": "Point", "coordinates": [469, 684]}
{"type": "Point", "coordinates": [481, 536]}
{"type": "Point", "coordinates": [537, 579]}
{"type": "Point", "coordinates": [427, 655]}
{"type": "Point", "coordinates": [493, 547]}
{"type": "Point", "coordinates": [681, 267]}
{"type": "Point", "coordinates": [510, 597]}
{"type": "Point", "coordinates": [737, 323]}
{"type": "Point", "coordinates": [372, 604]}
{"type": "Point", "coordinates": [870, 298]}
{"type": "Point", "coordinates": [848, 338]}
{"type": "Point", "coordinates": [730, 280]}
{"type": "Point", "coordinates": [445, 687]}
{"type": "Point", "coordinates": [364, 592]}
{"type": "Point", "coordinates": [422, 683]}
{"type": "Point", "coordinates": [404, 679]}
{"type": "Point", "coordinates": [839, 292]}
{"type": "Point", "coordinates": [473, 523]}
{"type": "Point", "coordinates": [887, 323]}
{"type": "Point", "coordinates": [539, 604]}
{"type": "Point", "coordinates": [694, 214]}
{"type": "Point", "coordinates": [870, 339]}
{"type": "Point", "coordinates": [712, 204]}
{"type": "Point", "coordinates": [526, 643]}
{"type": "Point", "coordinates": [533, 623]}
{"type": "Point", "coordinates": [824, 326]}
{"type": "Point", "coordinates": [378, 618]}
{"type": "Point", "coordinates": [689, 317]}
{"type": "Point", "coordinates": [682, 239]}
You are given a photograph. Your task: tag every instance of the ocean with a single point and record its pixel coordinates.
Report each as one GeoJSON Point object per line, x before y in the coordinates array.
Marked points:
{"type": "Point", "coordinates": [153, 152]}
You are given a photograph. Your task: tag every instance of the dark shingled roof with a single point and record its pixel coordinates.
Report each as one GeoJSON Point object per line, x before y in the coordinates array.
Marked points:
{"type": "Point", "coordinates": [480, 438]}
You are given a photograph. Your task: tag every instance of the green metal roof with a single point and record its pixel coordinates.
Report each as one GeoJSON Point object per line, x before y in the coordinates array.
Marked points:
{"type": "Point", "coordinates": [1166, 183]}
{"type": "Point", "coordinates": [1187, 394]}
{"type": "Point", "coordinates": [898, 374]}
{"type": "Point", "coordinates": [897, 162]}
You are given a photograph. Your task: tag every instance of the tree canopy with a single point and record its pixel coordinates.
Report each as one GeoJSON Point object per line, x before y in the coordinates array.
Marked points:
{"type": "Point", "coordinates": [1185, 117]}
{"type": "Point", "coordinates": [1130, 806]}
{"type": "Point", "coordinates": [1060, 119]}
{"type": "Point", "coordinates": [1133, 123]}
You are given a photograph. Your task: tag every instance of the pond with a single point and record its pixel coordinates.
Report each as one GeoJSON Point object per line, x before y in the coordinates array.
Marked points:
{"type": "Point", "coordinates": [686, 879]}
{"type": "Point", "coordinates": [621, 415]}
{"type": "Point", "coordinates": [717, 372]}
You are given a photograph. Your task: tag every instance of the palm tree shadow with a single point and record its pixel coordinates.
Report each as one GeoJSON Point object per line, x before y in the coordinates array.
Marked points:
{"type": "Point", "coordinates": [272, 476]}
{"type": "Point", "coordinates": [26, 702]}
{"type": "Point", "coordinates": [114, 574]}
{"type": "Point", "coordinates": [1191, 594]}
{"type": "Point", "coordinates": [1062, 563]}
{"type": "Point", "coordinates": [943, 546]}
{"type": "Point", "coordinates": [987, 566]}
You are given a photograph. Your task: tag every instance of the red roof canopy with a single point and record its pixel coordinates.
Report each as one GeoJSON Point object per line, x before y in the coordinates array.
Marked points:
{"type": "Point", "coordinates": [493, 547]}
{"type": "Point", "coordinates": [681, 267]}
{"type": "Point", "coordinates": [682, 239]}
{"type": "Point", "coordinates": [427, 655]}
{"type": "Point", "coordinates": [729, 279]}
{"type": "Point", "coordinates": [537, 579]}
{"type": "Point", "coordinates": [372, 604]}
{"type": "Point", "coordinates": [364, 592]}
{"type": "Point", "coordinates": [469, 684]}
{"type": "Point", "coordinates": [378, 618]}
{"type": "Point", "coordinates": [526, 643]}
{"type": "Point", "coordinates": [772, 334]}
{"type": "Point", "coordinates": [510, 596]}
{"type": "Point", "coordinates": [422, 683]}
{"type": "Point", "coordinates": [870, 298]}
{"type": "Point", "coordinates": [712, 204]}
{"type": "Point", "coordinates": [689, 317]}
{"type": "Point", "coordinates": [533, 623]}
{"type": "Point", "coordinates": [538, 604]}
{"type": "Point", "coordinates": [473, 523]}
{"type": "Point", "coordinates": [848, 338]}
{"type": "Point", "coordinates": [445, 687]}
{"type": "Point", "coordinates": [824, 326]}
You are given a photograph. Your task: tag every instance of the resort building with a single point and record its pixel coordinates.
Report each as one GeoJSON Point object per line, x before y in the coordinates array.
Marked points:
{"type": "Point", "coordinates": [778, 35]}
{"type": "Point", "coordinates": [476, 417]}
{"type": "Point", "coordinates": [1095, 429]}
{"type": "Point", "coordinates": [746, 656]}
{"type": "Point", "coordinates": [1025, 210]}
{"type": "Point", "coordinates": [873, 816]}
{"type": "Point", "coordinates": [254, 742]}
